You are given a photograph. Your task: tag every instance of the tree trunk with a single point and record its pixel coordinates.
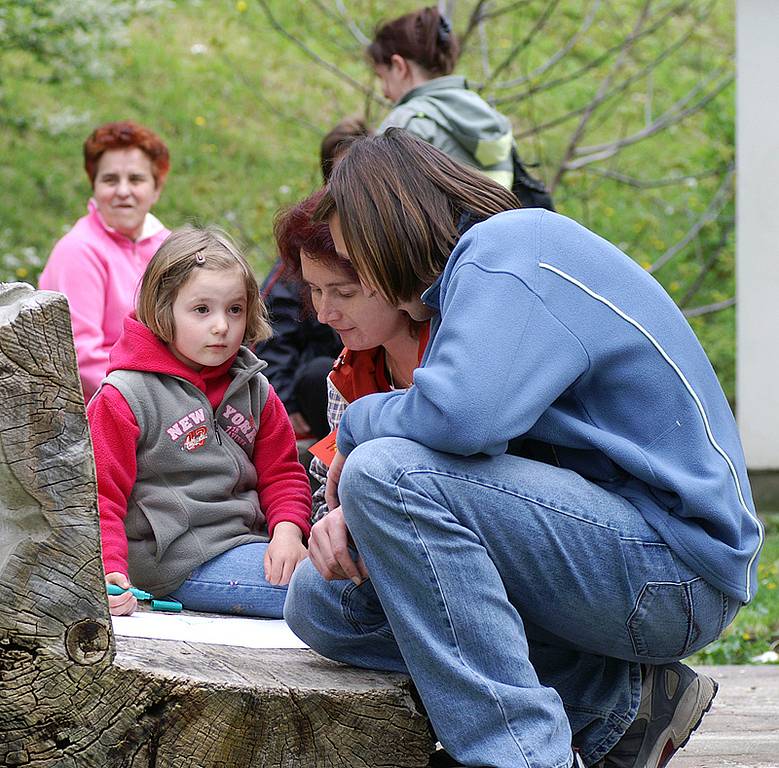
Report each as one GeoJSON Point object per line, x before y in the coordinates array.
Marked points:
{"type": "Point", "coordinates": [72, 695]}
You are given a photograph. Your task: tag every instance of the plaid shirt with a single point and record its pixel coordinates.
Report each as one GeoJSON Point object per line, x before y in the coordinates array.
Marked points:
{"type": "Point", "coordinates": [336, 405]}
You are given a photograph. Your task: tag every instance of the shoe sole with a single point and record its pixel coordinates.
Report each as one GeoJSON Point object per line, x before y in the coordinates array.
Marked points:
{"type": "Point", "coordinates": [696, 702]}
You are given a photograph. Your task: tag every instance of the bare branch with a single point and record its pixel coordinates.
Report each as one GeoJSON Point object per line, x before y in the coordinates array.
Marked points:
{"type": "Point", "coordinates": [716, 204]}
{"type": "Point", "coordinates": [620, 88]}
{"type": "Point", "coordinates": [510, 8]}
{"type": "Point", "coordinates": [596, 62]}
{"type": "Point", "coordinates": [313, 24]}
{"type": "Point", "coordinates": [359, 35]}
{"type": "Point", "coordinates": [708, 265]}
{"type": "Point", "coordinates": [485, 51]}
{"type": "Point", "coordinates": [602, 94]}
{"type": "Point", "coordinates": [525, 42]}
{"type": "Point", "coordinates": [708, 309]}
{"type": "Point", "coordinates": [557, 56]}
{"type": "Point", "coordinates": [480, 14]}
{"type": "Point", "coordinates": [446, 7]}
{"type": "Point", "coordinates": [474, 21]}
{"type": "Point", "coordinates": [670, 117]}
{"type": "Point", "coordinates": [339, 73]}
{"type": "Point", "coordinates": [632, 181]}
{"type": "Point", "coordinates": [322, 6]}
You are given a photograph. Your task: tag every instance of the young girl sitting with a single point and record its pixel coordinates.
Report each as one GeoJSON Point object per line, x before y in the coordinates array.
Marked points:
{"type": "Point", "coordinates": [194, 453]}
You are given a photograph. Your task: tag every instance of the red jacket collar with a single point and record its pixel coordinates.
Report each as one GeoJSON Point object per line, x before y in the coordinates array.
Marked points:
{"type": "Point", "coordinates": [362, 372]}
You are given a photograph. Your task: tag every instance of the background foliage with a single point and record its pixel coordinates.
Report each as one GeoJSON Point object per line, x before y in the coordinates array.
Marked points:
{"type": "Point", "coordinates": [627, 106]}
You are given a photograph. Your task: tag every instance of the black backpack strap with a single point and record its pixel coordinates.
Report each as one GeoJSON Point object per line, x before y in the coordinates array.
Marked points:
{"type": "Point", "coordinates": [530, 191]}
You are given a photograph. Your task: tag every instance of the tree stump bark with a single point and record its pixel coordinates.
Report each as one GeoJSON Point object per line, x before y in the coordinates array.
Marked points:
{"type": "Point", "coordinates": [73, 696]}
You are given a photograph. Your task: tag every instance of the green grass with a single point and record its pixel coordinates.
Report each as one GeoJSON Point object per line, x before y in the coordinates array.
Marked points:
{"type": "Point", "coordinates": [756, 628]}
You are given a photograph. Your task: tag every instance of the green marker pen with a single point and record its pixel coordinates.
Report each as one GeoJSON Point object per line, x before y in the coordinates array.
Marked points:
{"type": "Point", "coordinates": [115, 589]}
{"type": "Point", "coordinates": [166, 605]}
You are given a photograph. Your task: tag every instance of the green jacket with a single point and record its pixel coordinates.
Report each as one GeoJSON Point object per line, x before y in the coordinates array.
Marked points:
{"type": "Point", "coordinates": [456, 120]}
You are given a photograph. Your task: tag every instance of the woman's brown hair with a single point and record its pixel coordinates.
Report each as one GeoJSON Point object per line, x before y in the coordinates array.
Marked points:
{"type": "Point", "coordinates": [399, 201]}
{"type": "Point", "coordinates": [336, 141]}
{"type": "Point", "coordinates": [424, 36]}
{"type": "Point", "coordinates": [185, 250]}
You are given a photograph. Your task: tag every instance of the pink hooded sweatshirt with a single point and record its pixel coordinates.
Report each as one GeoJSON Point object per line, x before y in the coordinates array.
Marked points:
{"type": "Point", "coordinates": [98, 269]}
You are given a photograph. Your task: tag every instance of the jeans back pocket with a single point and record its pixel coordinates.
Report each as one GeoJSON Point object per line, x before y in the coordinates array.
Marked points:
{"type": "Point", "coordinates": [672, 620]}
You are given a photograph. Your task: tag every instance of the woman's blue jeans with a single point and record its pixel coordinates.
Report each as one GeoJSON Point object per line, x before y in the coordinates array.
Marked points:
{"type": "Point", "coordinates": [233, 582]}
{"type": "Point", "coordinates": [520, 598]}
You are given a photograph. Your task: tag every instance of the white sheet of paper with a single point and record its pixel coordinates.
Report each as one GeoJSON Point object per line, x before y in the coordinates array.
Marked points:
{"type": "Point", "coordinates": [222, 630]}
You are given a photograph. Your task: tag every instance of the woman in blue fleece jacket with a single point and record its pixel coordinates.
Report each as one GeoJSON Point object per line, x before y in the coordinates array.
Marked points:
{"type": "Point", "coordinates": [536, 604]}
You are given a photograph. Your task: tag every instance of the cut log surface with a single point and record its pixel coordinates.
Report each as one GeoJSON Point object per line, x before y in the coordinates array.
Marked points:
{"type": "Point", "coordinates": [69, 697]}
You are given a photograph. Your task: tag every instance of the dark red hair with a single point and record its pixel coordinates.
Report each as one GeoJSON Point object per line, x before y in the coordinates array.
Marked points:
{"type": "Point", "coordinates": [295, 230]}
{"type": "Point", "coordinates": [124, 135]}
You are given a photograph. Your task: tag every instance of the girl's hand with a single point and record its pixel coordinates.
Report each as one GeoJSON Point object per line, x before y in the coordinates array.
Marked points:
{"type": "Point", "coordinates": [333, 478]}
{"type": "Point", "coordinates": [284, 552]}
{"type": "Point", "coordinates": [329, 550]}
{"type": "Point", "coordinates": [124, 604]}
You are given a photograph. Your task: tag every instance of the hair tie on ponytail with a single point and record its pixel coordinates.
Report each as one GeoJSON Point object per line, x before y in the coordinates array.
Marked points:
{"type": "Point", "coordinates": [444, 30]}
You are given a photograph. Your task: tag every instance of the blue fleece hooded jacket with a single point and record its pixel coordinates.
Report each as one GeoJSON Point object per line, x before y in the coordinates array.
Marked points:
{"type": "Point", "coordinates": [548, 332]}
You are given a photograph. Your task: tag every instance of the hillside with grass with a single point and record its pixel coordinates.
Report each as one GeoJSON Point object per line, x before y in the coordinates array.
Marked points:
{"type": "Point", "coordinates": [627, 108]}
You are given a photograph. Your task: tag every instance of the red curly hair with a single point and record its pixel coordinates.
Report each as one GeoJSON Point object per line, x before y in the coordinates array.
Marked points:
{"type": "Point", "coordinates": [295, 231]}
{"type": "Point", "coordinates": [123, 135]}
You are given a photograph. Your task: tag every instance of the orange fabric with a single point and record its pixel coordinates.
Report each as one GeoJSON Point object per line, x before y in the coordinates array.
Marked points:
{"type": "Point", "coordinates": [325, 449]}
{"type": "Point", "coordinates": [362, 372]}
{"type": "Point", "coordinates": [356, 373]}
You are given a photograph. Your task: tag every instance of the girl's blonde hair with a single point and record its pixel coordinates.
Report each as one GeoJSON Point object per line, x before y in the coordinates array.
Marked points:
{"type": "Point", "coordinates": [185, 250]}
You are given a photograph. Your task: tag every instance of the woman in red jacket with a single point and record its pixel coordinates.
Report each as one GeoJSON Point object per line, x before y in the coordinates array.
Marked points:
{"type": "Point", "coordinates": [383, 345]}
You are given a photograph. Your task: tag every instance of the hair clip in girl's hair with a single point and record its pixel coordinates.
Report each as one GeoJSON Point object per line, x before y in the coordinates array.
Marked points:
{"type": "Point", "coordinates": [200, 259]}
{"type": "Point", "coordinates": [444, 29]}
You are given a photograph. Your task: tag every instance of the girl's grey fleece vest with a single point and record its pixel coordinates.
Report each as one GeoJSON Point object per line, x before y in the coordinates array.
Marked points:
{"type": "Point", "coordinates": [195, 495]}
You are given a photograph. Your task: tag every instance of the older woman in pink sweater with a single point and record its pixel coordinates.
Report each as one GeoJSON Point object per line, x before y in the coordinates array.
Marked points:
{"type": "Point", "coordinates": [99, 262]}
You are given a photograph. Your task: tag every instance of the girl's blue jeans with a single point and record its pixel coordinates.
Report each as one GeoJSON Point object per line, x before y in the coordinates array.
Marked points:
{"type": "Point", "coordinates": [233, 582]}
{"type": "Point", "coordinates": [520, 598]}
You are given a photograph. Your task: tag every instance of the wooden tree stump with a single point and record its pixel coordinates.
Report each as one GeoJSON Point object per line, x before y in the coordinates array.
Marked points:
{"type": "Point", "coordinates": [71, 695]}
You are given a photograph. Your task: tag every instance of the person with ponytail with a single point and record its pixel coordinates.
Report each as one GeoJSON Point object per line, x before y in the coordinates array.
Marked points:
{"type": "Point", "coordinates": [542, 606]}
{"type": "Point", "coordinates": [414, 57]}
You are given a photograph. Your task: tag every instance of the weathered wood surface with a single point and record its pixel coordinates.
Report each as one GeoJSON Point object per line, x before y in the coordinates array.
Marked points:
{"type": "Point", "coordinates": [742, 728]}
{"type": "Point", "coordinates": [71, 696]}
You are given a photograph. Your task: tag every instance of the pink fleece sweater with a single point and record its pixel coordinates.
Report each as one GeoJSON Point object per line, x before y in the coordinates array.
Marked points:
{"type": "Point", "coordinates": [98, 269]}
